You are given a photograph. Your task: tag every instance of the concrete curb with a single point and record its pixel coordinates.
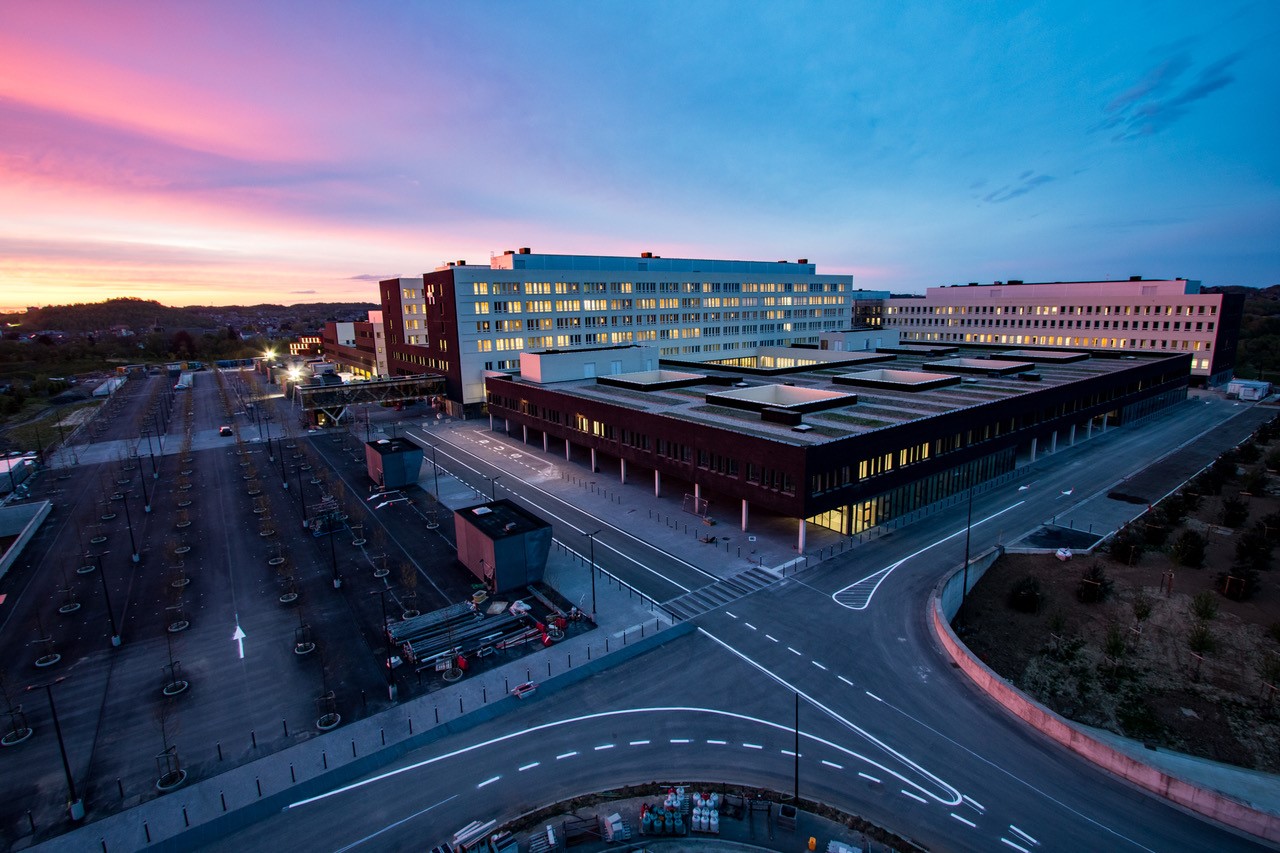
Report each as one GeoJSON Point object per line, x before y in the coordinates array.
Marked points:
{"type": "Point", "coordinates": [1209, 803]}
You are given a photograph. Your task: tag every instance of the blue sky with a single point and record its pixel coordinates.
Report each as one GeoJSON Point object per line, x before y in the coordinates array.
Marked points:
{"type": "Point", "coordinates": [244, 151]}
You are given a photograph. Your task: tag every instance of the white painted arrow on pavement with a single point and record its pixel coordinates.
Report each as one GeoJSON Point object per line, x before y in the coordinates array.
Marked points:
{"type": "Point", "coordinates": [239, 636]}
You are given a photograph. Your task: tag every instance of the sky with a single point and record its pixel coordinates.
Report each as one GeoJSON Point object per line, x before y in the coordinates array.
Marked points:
{"type": "Point", "coordinates": [240, 152]}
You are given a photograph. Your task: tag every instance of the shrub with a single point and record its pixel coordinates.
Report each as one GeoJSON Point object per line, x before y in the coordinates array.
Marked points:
{"type": "Point", "coordinates": [1255, 482]}
{"type": "Point", "coordinates": [1204, 606]}
{"type": "Point", "coordinates": [1253, 549]}
{"type": "Point", "coordinates": [1094, 584]}
{"type": "Point", "coordinates": [1248, 453]}
{"type": "Point", "coordinates": [1235, 512]}
{"type": "Point", "coordinates": [1200, 638]}
{"type": "Point", "coordinates": [1239, 584]}
{"type": "Point", "coordinates": [1273, 460]}
{"type": "Point", "coordinates": [1141, 607]}
{"type": "Point", "coordinates": [1188, 549]}
{"type": "Point", "coordinates": [1155, 529]}
{"type": "Point", "coordinates": [1173, 509]}
{"type": "Point", "coordinates": [1025, 595]}
{"type": "Point", "coordinates": [1270, 525]}
{"type": "Point", "coordinates": [1208, 483]}
{"type": "Point", "coordinates": [1190, 500]}
{"type": "Point", "coordinates": [1113, 642]}
{"type": "Point", "coordinates": [1126, 546]}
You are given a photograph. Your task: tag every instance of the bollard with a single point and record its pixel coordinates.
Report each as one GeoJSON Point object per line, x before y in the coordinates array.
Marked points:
{"type": "Point", "coordinates": [606, 645]}
{"type": "Point", "coordinates": [484, 695]}
{"type": "Point", "coordinates": [257, 781]}
{"type": "Point", "coordinates": [285, 723]}
{"type": "Point", "coordinates": [460, 703]}
{"type": "Point", "coordinates": [104, 844]}
{"type": "Point", "coordinates": [383, 732]}
{"type": "Point", "coordinates": [411, 726]}
{"type": "Point", "coordinates": [570, 661]}
{"type": "Point", "coordinates": [437, 715]}
{"type": "Point", "coordinates": [146, 829]}
{"type": "Point", "coordinates": [588, 653]}
{"type": "Point", "coordinates": [506, 687]}
{"type": "Point", "coordinates": [120, 785]}
{"type": "Point", "coordinates": [32, 821]}
{"type": "Point", "coordinates": [253, 736]}
{"type": "Point", "coordinates": [186, 821]}
{"type": "Point", "coordinates": [353, 747]}
{"type": "Point", "coordinates": [223, 797]}
{"type": "Point", "coordinates": [548, 667]}
{"type": "Point", "coordinates": [219, 750]}
{"type": "Point", "coordinates": [324, 758]}
{"type": "Point", "coordinates": [528, 675]}
{"type": "Point", "coordinates": [364, 702]}
{"type": "Point", "coordinates": [293, 777]}
{"type": "Point", "coordinates": [642, 632]}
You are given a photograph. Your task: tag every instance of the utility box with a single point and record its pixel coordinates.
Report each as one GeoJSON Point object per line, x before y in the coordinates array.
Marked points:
{"type": "Point", "coordinates": [393, 463]}
{"type": "Point", "coordinates": [502, 545]}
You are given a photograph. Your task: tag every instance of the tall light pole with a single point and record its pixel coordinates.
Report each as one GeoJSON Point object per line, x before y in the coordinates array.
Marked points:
{"type": "Point", "coordinates": [133, 545]}
{"type": "Point", "coordinates": [386, 637]}
{"type": "Point", "coordinates": [592, 538]}
{"type": "Point", "coordinates": [146, 499]}
{"type": "Point", "coordinates": [106, 596]}
{"type": "Point", "coordinates": [155, 474]}
{"type": "Point", "coordinates": [493, 486]}
{"type": "Point", "coordinates": [75, 805]}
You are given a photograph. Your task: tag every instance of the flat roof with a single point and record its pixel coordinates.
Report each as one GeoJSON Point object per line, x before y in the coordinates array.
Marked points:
{"type": "Point", "coordinates": [500, 519]}
{"type": "Point", "coordinates": [399, 444]}
{"type": "Point", "coordinates": [875, 408]}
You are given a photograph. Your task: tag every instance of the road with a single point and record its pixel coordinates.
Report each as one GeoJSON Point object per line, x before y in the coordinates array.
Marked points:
{"type": "Point", "coordinates": [889, 730]}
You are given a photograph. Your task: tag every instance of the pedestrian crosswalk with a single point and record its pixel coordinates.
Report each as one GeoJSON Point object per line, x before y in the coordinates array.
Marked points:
{"type": "Point", "coordinates": [720, 592]}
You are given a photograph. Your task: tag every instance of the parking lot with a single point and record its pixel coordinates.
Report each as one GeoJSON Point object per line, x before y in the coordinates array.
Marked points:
{"type": "Point", "coordinates": [217, 524]}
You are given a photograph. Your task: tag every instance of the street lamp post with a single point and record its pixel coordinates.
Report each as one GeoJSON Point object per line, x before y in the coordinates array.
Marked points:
{"type": "Point", "coordinates": [592, 538]}
{"type": "Point", "coordinates": [493, 486]}
{"type": "Point", "coordinates": [391, 681]}
{"type": "Point", "coordinates": [106, 596]}
{"type": "Point", "coordinates": [75, 805]}
{"type": "Point", "coordinates": [146, 499]}
{"type": "Point", "coordinates": [155, 474]}
{"type": "Point", "coordinates": [133, 545]}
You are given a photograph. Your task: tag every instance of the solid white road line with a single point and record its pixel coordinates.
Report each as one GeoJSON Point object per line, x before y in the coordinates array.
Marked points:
{"type": "Point", "coordinates": [488, 781]}
{"type": "Point", "coordinates": [566, 755]}
{"type": "Point", "coordinates": [1014, 846]}
{"type": "Point", "coordinates": [845, 680]}
{"type": "Point", "coordinates": [868, 777]}
{"type": "Point", "coordinates": [1023, 835]}
{"type": "Point", "coordinates": [965, 821]}
{"type": "Point", "coordinates": [833, 764]}
{"type": "Point", "coordinates": [904, 792]}
{"type": "Point", "coordinates": [530, 766]}
{"type": "Point", "coordinates": [392, 826]}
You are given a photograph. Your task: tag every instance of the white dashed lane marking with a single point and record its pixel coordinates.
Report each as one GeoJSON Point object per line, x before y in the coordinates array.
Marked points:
{"type": "Point", "coordinates": [604, 746]}
{"type": "Point", "coordinates": [818, 665]}
{"type": "Point", "coordinates": [753, 746]}
{"type": "Point", "coordinates": [907, 793]}
{"type": "Point", "coordinates": [793, 651]}
{"type": "Point", "coordinates": [566, 755]}
{"type": "Point", "coordinates": [868, 777]}
{"type": "Point", "coordinates": [530, 766]}
{"type": "Point", "coordinates": [845, 680]}
{"type": "Point", "coordinates": [488, 781]}
{"type": "Point", "coordinates": [639, 743]}
{"type": "Point", "coordinates": [965, 821]}
{"type": "Point", "coordinates": [833, 764]}
{"type": "Point", "coordinates": [1014, 846]}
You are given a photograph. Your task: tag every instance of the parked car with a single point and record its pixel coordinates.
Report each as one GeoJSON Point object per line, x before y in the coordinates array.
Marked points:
{"type": "Point", "coordinates": [225, 430]}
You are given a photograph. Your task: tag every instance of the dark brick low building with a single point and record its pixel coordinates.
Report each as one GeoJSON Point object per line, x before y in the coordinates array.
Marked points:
{"type": "Point", "coordinates": [844, 440]}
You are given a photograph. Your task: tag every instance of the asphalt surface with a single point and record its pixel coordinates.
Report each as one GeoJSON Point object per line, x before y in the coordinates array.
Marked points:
{"type": "Point", "coordinates": [841, 626]}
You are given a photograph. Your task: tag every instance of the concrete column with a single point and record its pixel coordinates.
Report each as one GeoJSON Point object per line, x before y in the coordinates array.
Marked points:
{"type": "Point", "coordinates": [593, 460]}
{"type": "Point", "coordinates": [544, 442]}
{"type": "Point", "coordinates": [744, 514]}
{"type": "Point", "coordinates": [490, 423]}
{"type": "Point", "coordinates": [622, 471]}
{"type": "Point", "coordinates": [506, 426]}
{"type": "Point", "coordinates": [1088, 430]}
{"type": "Point", "coordinates": [1033, 450]}
{"type": "Point", "coordinates": [1053, 442]}
{"type": "Point", "coordinates": [657, 483]}
{"type": "Point", "coordinates": [1105, 418]}
{"type": "Point", "coordinates": [697, 493]}
{"type": "Point", "coordinates": [524, 433]}
{"type": "Point", "coordinates": [566, 449]}
{"type": "Point", "coordinates": [1071, 442]}
{"type": "Point", "coordinates": [800, 540]}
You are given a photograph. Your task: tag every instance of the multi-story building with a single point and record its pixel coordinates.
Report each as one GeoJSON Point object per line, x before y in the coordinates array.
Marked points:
{"type": "Point", "coordinates": [305, 345]}
{"type": "Point", "coordinates": [357, 347]}
{"type": "Point", "coordinates": [845, 440]}
{"type": "Point", "coordinates": [1163, 316]}
{"type": "Point", "coordinates": [466, 321]}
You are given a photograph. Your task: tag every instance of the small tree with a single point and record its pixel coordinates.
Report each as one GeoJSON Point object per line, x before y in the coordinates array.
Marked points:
{"type": "Point", "coordinates": [1141, 608]}
{"type": "Point", "coordinates": [1253, 549]}
{"type": "Point", "coordinates": [1025, 595]}
{"type": "Point", "coordinates": [1126, 546]}
{"type": "Point", "coordinates": [1204, 606]}
{"type": "Point", "coordinates": [1200, 638]}
{"type": "Point", "coordinates": [1094, 584]}
{"type": "Point", "coordinates": [1188, 549]}
{"type": "Point", "coordinates": [1248, 453]}
{"type": "Point", "coordinates": [1113, 642]}
{"type": "Point", "coordinates": [1255, 482]}
{"type": "Point", "coordinates": [1235, 512]}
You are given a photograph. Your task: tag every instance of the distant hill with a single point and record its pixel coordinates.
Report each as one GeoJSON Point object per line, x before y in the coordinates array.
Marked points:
{"type": "Point", "coordinates": [1258, 354]}
{"type": "Point", "coordinates": [144, 315]}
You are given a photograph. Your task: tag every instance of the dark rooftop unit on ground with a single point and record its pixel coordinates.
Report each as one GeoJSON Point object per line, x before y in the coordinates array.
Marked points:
{"type": "Point", "coordinates": [393, 463]}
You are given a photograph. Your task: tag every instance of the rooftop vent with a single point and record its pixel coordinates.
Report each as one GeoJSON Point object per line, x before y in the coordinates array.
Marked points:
{"type": "Point", "coordinates": [524, 250]}
{"type": "Point", "coordinates": [803, 261]}
{"type": "Point", "coordinates": [1135, 278]}
{"type": "Point", "coordinates": [801, 428]}
{"type": "Point", "coordinates": [1014, 281]}
{"type": "Point", "coordinates": [646, 254]}
{"type": "Point", "coordinates": [509, 252]}
{"type": "Point", "coordinates": [462, 263]}
{"type": "Point", "coordinates": [969, 380]}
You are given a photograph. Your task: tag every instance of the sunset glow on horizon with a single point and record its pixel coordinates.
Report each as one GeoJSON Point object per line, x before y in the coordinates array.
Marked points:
{"type": "Point", "coordinates": [242, 152]}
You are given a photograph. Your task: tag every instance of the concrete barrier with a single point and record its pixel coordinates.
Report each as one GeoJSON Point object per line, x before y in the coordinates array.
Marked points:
{"type": "Point", "coordinates": [1203, 801]}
